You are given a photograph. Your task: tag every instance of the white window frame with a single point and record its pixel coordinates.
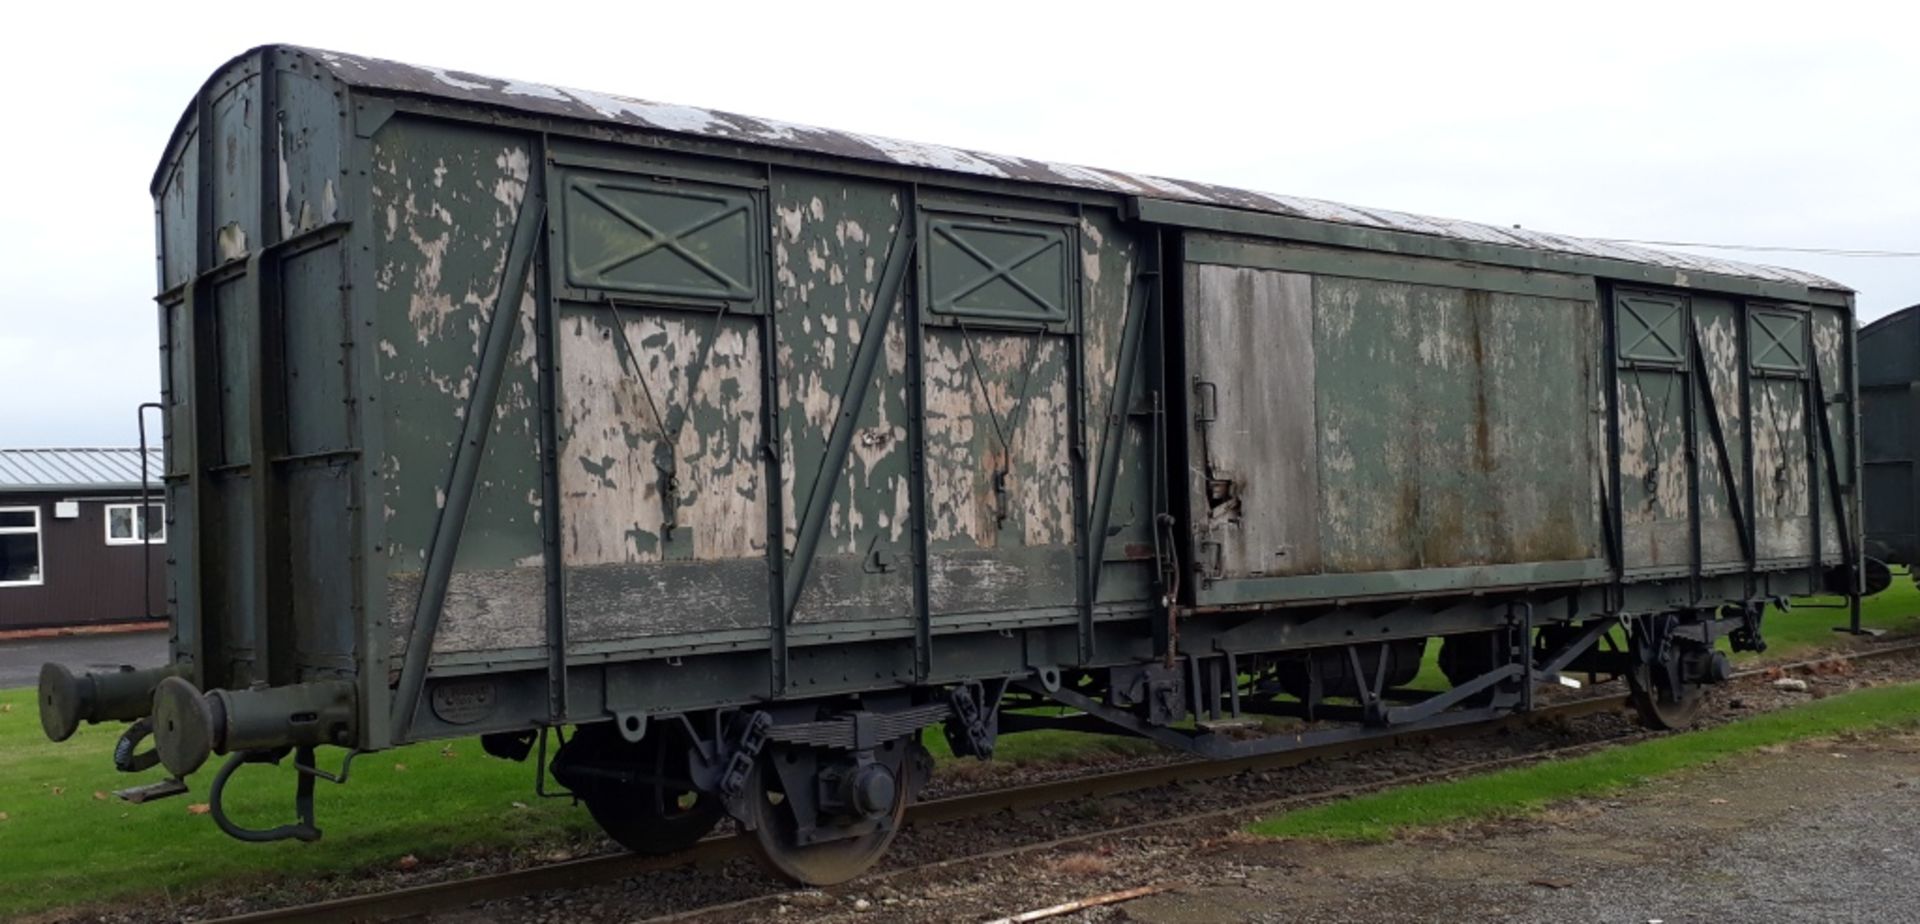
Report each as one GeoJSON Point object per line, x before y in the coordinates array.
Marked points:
{"type": "Point", "coordinates": [39, 542]}
{"type": "Point", "coordinates": [106, 518]}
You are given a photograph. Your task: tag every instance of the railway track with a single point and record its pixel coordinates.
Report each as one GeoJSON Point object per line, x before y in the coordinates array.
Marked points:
{"type": "Point", "coordinates": [599, 870]}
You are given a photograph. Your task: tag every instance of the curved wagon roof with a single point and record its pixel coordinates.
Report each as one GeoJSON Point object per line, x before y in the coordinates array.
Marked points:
{"type": "Point", "coordinates": [1890, 350]}
{"type": "Point", "coordinates": [384, 76]}
{"type": "Point", "coordinates": [1891, 320]}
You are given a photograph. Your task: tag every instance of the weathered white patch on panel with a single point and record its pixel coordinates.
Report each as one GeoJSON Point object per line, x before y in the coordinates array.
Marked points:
{"type": "Point", "coordinates": [932, 155]}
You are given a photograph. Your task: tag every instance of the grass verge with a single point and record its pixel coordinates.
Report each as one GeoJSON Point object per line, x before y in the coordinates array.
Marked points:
{"type": "Point", "coordinates": [1527, 789]}
{"type": "Point", "coordinates": [65, 840]}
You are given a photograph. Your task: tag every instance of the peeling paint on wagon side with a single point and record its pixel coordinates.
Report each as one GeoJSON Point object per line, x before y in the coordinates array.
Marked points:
{"type": "Point", "coordinates": [612, 446]}
{"type": "Point", "coordinates": [446, 196]}
{"type": "Point", "coordinates": [1653, 467]}
{"type": "Point", "coordinates": [1780, 470]}
{"type": "Point", "coordinates": [830, 236]}
{"type": "Point", "coordinates": [1257, 500]}
{"type": "Point", "coordinates": [1112, 255]}
{"type": "Point", "coordinates": [1829, 334]}
{"type": "Point", "coordinates": [1721, 542]}
{"type": "Point", "coordinates": [1023, 401]}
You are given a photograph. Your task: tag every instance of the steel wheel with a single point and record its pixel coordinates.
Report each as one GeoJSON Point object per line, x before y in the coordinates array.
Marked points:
{"type": "Point", "coordinates": [652, 818]}
{"type": "Point", "coordinates": [1660, 707]}
{"type": "Point", "coordinates": [775, 830]}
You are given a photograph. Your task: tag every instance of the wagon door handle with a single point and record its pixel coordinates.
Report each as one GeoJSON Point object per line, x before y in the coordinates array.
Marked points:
{"type": "Point", "coordinates": [1206, 401]}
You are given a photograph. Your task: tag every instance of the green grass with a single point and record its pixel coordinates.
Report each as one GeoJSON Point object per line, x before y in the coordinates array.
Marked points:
{"type": "Point", "coordinates": [1528, 789]}
{"type": "Point", "coordinates": [63, 844]}
{"type": "Point", "coordinates": [1897, 609]}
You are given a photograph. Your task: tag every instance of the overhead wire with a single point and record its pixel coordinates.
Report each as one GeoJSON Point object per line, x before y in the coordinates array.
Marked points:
{"type": "Point", "coordinates": [1823, 251]}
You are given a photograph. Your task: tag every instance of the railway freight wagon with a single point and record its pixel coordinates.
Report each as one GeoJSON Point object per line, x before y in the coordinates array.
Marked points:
{"type": "Point", "coordinates": [1890, 423]}
{"type": "Point", "coordinates": [737, 453]}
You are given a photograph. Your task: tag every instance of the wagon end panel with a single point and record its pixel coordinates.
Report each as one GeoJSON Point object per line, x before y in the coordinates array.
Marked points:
{"type": "Point", "coordinates": [1890, 427]}
{"type": "Point", "coordinates": [1370, 425]}
{"type": "Point", "coordinates": [252, 220]}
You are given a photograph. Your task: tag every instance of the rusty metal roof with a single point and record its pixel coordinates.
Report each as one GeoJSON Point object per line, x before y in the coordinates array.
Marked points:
{"type": "Point", "coordinates": [76, 469]}
{"type": "Point", "coordinates": [541, 99]}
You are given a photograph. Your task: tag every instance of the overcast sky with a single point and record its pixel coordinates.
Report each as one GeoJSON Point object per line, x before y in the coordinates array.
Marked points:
{"type": "Point", "coordinates": [1797, 125]}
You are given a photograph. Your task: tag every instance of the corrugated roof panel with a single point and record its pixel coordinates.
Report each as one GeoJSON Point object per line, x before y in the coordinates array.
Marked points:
{"type": "Point", "coordinates": [75, 469]}
{"type": "Point", "coordinates": [395, 77]}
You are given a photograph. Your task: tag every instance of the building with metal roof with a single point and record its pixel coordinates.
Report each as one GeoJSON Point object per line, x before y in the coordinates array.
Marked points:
{"type": "Point", "coordinates": [79, 544]}
{"type": "Point", "coordinates": [71, 469]}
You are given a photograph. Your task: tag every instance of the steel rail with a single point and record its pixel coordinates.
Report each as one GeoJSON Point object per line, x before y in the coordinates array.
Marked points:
{"type": "Point", "coordinates": [599, 870]}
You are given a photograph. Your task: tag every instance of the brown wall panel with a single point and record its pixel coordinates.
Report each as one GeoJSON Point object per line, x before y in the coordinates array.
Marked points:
{"type": "Point", "coordinates": [85, 580]}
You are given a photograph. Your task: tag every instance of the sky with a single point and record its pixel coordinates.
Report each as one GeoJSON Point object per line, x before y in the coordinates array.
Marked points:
{"type": "Point", "coordinates": [1792, 125]}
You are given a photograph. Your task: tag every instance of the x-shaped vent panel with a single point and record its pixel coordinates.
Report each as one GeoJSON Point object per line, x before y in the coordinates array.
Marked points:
{"type": "Point", "coordinates": [667, 239]}
{"type": "Point", "coordinates": [1013, 271]}
{"type": "Point", "coordinates": [1778, 341]}
{"type": "Point", "coordinates": [1650, 328]}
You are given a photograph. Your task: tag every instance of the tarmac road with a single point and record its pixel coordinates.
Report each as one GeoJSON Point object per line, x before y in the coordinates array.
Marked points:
{"type": "Point", "coordinates": [20, 659]}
